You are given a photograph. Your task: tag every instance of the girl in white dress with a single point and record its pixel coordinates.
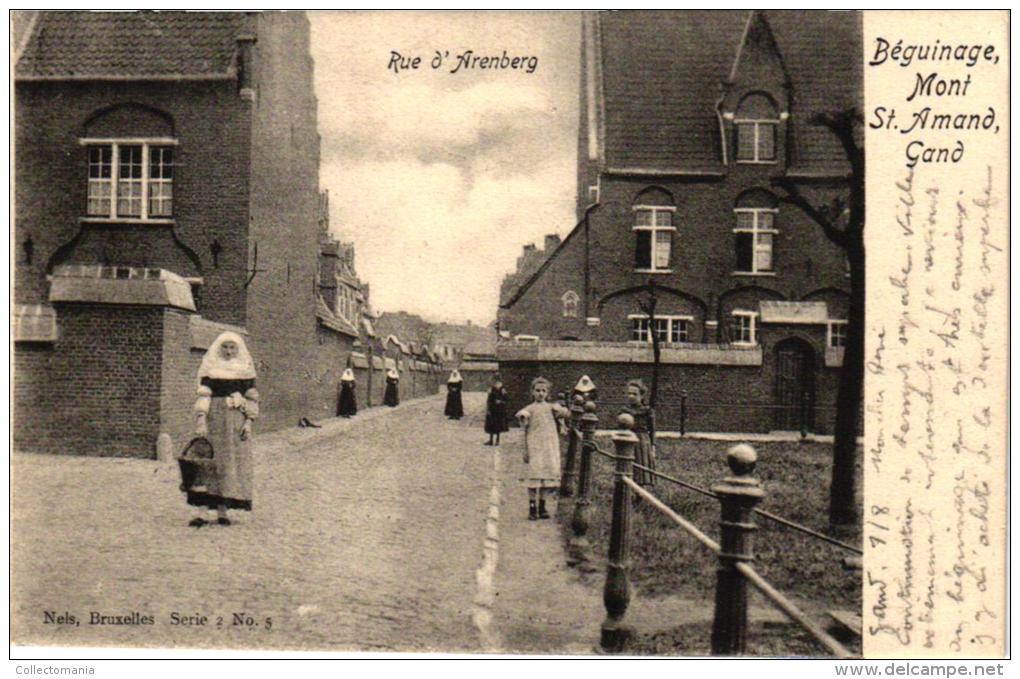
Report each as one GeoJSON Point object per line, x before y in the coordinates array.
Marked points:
{"type": "Point", "coordinates": [542, 446]}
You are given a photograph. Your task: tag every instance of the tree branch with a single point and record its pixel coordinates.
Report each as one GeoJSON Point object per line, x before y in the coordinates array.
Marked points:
{"type": "Point", "coordinates": [795, 197]}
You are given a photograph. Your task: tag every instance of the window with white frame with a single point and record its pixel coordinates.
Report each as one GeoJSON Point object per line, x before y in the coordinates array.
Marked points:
{"type": "Point", "coordinates": [570, 302]}
{"type": "Point", "coordinates": [836, 335]}
{"type": "Point", "coordinates": [131, 179]}
{"type": "Point", "coordinates": [755, 233]}
{"type": "Point", "coordinates": [593, 194]}
{"type": "Point", "coordinates": [756, 124]}
{"type": "Point", "coordinates": [756, 141]}
{"type": "Point", "coordinates": [744, 327]}
{"type": "Point", "coordinates": [347, 303]}
{"type": "Point", "coordinates": [653, 230]}
{"type": "Point", "coordinates": [667, 328]}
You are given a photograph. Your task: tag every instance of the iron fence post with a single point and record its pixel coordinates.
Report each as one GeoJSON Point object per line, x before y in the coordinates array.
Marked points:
{"type": "Point", "coordinates": [738, 496]}
{"type": "Point", "coordinates": [616, 595]}
{"type": "Point", "coordinates": [569, 473]}
{"type": "Point", "coordinates": [580, 548]}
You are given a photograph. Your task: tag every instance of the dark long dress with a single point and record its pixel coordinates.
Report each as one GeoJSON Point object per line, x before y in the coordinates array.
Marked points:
{"type": "Point", "coordinates": [454, 403]}
{"type": "Point", "coordinates": [391, 397]}
{"type": "Point", "coordinates": [495, 411]}
{"type": "Point", "coordinates": [348, 405]}
{"type": "Point", "coordinates": [644, 428]}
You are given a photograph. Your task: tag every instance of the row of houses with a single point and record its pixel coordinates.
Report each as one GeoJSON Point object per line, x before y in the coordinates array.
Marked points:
{"type": "Point", "coordinates": [166, 189]}
{"type": "Point", "coordinates": [691, 126]}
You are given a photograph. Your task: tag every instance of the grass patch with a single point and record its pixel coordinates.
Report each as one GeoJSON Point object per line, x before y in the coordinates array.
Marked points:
{"type": "Point", "coordinates": [666, 560]}
{"type": "Point", "coordinates": [767, 640]}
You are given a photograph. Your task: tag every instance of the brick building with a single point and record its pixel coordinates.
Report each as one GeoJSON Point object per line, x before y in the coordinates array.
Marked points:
{"type": "Point", "coordinates": [166, 169]}
{"type": "Point", "coordinates": [687, 122]}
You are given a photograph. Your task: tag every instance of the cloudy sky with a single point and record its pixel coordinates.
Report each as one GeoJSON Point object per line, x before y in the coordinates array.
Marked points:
{"type": "Point", "coordinates": [439, 178]}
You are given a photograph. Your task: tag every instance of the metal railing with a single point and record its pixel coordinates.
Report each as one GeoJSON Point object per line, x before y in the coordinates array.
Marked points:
{"type": "Point", "coordinates": [738, 496]}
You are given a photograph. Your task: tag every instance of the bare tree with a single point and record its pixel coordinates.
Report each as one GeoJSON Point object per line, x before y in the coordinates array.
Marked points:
{"type": "Point", "coordinates": [842, 221]}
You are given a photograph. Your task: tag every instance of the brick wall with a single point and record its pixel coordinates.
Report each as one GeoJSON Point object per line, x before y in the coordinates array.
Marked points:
{"type": "Point", "coordinates": [719, 398]}
{"type": "Point", "coordinates": [212, 126]}
{"type": "Point", "coordinates": [284, 225]}
{"type": "Point", "coordinates": [83, 397]}
{"type": "Point", "coordinates": [180, 363]}
{"type": "Point", "coordinates": [324, 374]}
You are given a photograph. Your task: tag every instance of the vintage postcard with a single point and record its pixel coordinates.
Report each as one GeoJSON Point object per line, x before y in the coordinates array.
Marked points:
{"type": "Point", "coordinates": [646, 333]}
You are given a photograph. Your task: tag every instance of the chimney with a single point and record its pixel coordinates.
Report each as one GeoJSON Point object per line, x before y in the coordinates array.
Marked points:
{"type": "Point", "coordinates": [552, 241]}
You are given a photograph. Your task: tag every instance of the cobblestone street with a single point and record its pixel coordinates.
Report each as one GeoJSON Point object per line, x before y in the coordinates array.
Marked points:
{"type": "Point", "coordinates": [368, 539]}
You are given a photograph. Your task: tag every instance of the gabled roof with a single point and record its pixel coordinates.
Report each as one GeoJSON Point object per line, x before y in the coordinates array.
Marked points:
{"type": "Point", "coordinates": [822, 51]}
{"type": "Point", "coordinates": [663, 72]}
{"type": "Point", "coordinates": [331, 320]}
{"type": "Point", "coordinates": [126, 45]}
{"type": "Point", "coordinates": [523, 288]}
{"type": "Point", "coordinates": [661, 79]}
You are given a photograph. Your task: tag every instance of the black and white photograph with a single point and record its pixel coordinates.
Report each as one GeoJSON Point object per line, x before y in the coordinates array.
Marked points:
{"type": "Point", "coordinates": [508, 333]}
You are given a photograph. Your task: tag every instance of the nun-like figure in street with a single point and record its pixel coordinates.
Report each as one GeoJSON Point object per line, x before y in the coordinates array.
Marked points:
{"type": "Point", "coordinates": [392, 395]}
{"type": "Point", "coordinates": [586, 388]}
{"type": "Point", "coordinates": [348, 403]}
{"type": "Point", "coordinates": [454, 403]}
{"type": "Point", "coordinates": [227, 404]}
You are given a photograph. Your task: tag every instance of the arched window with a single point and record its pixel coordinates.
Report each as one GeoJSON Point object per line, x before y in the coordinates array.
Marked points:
{"type": "Point", "coordinates": [653, 230]}
{"type": "Point", "coordinates": [570, 301]}
{"type": "Point", "coordinates": [130, 150]}
{"type": "Point", "coordinates": [756, 122]}
{"type": "Point", "coordinates": [755, 215]}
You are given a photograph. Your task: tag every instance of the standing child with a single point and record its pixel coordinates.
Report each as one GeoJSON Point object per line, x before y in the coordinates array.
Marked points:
{"type": "Point", "coordinates": [454, 403]}
{"type": "Point", "coordinates": [495, 411]}
{"type": "Point", "coordinates": [542, 446]}
{"type": "Point", "coordinates": [644, 428]}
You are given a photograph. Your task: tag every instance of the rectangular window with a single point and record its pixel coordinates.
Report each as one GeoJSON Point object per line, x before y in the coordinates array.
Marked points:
{"type": "Point", "coordinates": [743, 328]}
{"type": "Point", "coordinates": [653, 230]}
{"type": "Point", "coordinates": [755, 233]}
{"type": "Point", "coordinates": [130, 180]}
{"type": "Point", "coordinates": [756, 141]}
{"type": "Point", "coordinates": [837, 334]}
{"type": "Point", "coordinates": [161, 181]}
{"type": "Point", "coordinates": [667, 328]}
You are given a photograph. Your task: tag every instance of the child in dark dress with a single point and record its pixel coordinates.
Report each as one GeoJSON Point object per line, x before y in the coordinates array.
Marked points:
{"type": "Point", "coordinates": [495, 411]}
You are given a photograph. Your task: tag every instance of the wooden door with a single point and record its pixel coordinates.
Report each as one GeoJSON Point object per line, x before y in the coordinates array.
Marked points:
{"type": "Point", "coordinates": [795, 386]}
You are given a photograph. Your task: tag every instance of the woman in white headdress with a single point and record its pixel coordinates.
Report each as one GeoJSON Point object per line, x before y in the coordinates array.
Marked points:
{"type": "Point", "coordinates": [348, 403]}
{"type": "Point", "coordinates": [454, 403]}
{"type": "Point", "coordinates": [392, 395]}
{"type": "Point", "coordinates": [227, 404]}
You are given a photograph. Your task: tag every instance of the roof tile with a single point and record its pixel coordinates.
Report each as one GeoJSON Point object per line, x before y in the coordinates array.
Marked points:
{"type": "Point", "coordinates": [131, 44]}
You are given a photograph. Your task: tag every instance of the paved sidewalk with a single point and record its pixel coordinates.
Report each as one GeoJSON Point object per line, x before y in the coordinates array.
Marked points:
{"type": "Point", "coordinates": [365, 536]}
{"type": "Point", "coordinates": [546, 607]}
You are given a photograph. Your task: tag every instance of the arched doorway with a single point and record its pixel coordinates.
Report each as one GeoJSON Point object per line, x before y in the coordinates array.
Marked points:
{"type": "Point", "coordinates": [795, 386]}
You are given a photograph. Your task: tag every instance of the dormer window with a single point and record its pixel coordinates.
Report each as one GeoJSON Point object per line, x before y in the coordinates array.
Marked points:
{"type": "Point", "coordinates": [756, 124]}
